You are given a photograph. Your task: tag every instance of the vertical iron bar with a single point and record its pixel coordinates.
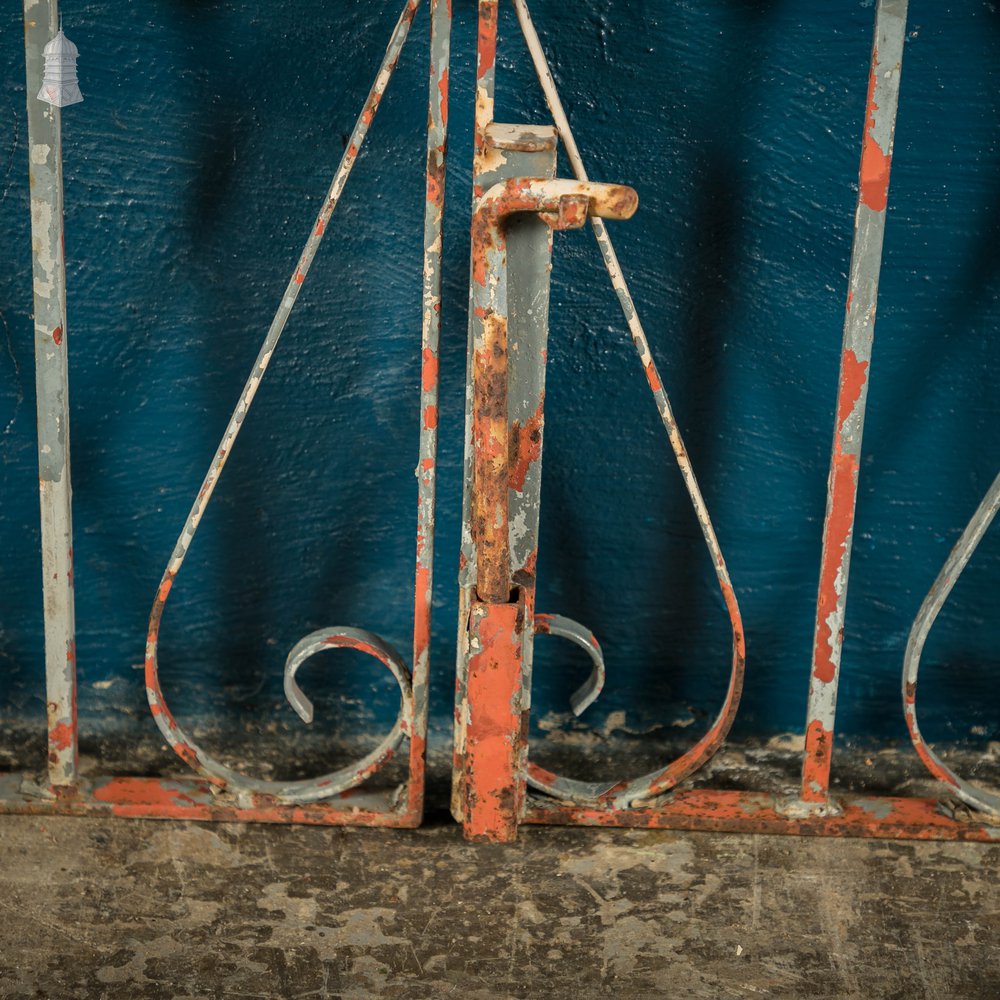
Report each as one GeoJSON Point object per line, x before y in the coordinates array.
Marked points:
{"type": "Point", "coordinates": [486, 46]}
{"type": "Point", "coordinates": [437, 146]}
{"type": "Point", "coordinates": [493, 712]}
{"type": "Point", "coordinates": [855, 361]}
{"type": "Point", "coordinates": [486, 56]}
{"type": "Point", "coordinates": [41, 22]}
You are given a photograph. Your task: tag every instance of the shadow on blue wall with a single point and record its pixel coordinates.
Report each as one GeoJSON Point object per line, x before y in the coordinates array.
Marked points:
{"type": "Point", "coordinates": [193, 171]}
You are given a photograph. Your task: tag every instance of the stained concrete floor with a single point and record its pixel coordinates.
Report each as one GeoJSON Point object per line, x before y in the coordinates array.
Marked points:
{"type": "Point", "coordinates": [117, 908]}
{"type": "Point", "coordinates": [142, 909]}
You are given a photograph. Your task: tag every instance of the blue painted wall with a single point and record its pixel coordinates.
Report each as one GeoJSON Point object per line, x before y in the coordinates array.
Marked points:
{"type": "Point", "coordinates": [193, 171]}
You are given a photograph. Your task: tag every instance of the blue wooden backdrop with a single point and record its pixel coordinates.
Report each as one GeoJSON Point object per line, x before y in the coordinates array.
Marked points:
{"type": "Point", "coordinates": [193, 171]}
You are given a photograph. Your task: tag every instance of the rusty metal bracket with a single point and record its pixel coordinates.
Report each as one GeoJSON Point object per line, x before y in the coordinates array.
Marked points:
{"type": "Point", "coordinates": [491, 773]}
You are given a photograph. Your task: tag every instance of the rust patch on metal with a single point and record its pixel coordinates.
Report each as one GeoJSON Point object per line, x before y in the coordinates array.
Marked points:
{"type": "Point", "coordinates": [494, 745]}
{"type": "Point", "coordinates": [525, 446]}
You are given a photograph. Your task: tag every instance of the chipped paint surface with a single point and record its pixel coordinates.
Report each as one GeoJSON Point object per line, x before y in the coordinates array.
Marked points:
{"type": "Point", "coordinates": [564, 205]}
{"type": "Point", "coordinates": [752, 812]}
{"type": "Point", "coordinates": [492, 777]}
{"type": "Point", "coordinates": [859, 330]}
{"type": "Point", "coordinates": [411, 722]}
{"type": "Point", "coordinates": [52, 394]}
{"type": "Point", "coordinates": [490, 772]}
{"type": "Point", "coordinates": [501, 152]}
{"type": "Point", "coordinates": [958, 558]}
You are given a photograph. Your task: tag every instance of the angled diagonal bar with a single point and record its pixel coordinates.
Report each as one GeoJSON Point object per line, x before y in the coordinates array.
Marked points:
{"type": "Point", "coordinates": [855, 362]}
{"type": "Point", "coordinates": [41, 22]}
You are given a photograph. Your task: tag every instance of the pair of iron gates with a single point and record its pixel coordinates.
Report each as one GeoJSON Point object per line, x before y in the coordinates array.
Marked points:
{"type": "Point", "coordinates": [518, 204]}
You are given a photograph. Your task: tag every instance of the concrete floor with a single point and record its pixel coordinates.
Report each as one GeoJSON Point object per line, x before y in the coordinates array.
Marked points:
{"type": "Point", "coordinates": [117, 908]}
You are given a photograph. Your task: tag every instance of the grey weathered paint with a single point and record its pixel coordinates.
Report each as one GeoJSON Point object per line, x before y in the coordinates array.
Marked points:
{"type": "Point", "coordinates": [859, 331]}
{"type": "Point", "coordinates": [41, 21]}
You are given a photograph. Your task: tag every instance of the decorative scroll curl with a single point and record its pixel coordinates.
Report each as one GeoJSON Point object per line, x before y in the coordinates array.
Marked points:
{"type": "Point", "coordinates": [956, 562]}
{"type": "Point", "coordinates": [336, 782]}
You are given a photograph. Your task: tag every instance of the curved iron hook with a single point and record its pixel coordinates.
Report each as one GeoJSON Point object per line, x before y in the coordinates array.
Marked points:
{"type": "Point", "coordinates": [922, 624]}
{"type": "Point", "coordinates": [625, 793]}
{"type": "Point", "coordinates": [587, 693]}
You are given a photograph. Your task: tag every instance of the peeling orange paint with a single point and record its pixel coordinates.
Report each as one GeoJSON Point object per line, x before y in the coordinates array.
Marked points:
{"type": "Point", "coordinates": [429, 370]}
{"type": "Point", "coordinates": [492, 743]}
{"type": "Point", "coordinates": [875, 162]}
{"type": "Point", "coordinates": [61, 736]}
{"type": "Point", "coordinates": [840, 520]}
{"type": "Point", "coordinates": [718, 811]}
{"type": "Point", "coordinates": [816, 762]}
{"type": "Point", "coordinates": [443, 89]}
{"type": "Point", "coordinates": [487, 37]}
{"type": "Point", "coordinates": [525, 446]}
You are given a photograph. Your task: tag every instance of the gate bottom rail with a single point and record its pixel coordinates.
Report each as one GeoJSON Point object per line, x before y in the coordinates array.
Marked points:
{"type": "Point", "coordinates": [704, 810]}
{"type": "Point", "coordinates": [192, 798]}
{"type": "Point", "coordinates": [729, 811]}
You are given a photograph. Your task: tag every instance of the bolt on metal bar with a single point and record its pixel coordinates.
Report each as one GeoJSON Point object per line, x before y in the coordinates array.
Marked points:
{"type": "Point", "coordinates": [655, 783]}
{"type": "Point", "coordinates": [855, 362]}
{"type": "Point", "coordinates": [491, 777]}
{"type": "Point", "coordinates": [956, 562]}
{"type": "Point", "coordinates": [326, 786]}
{"type": "Point", "coordinates": [41, 22]}
{"type": "Point", "coordinates": [564, 204]}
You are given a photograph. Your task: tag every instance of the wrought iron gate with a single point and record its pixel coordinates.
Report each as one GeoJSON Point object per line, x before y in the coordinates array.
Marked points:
{"type": "Point", "coordinates": [519, 203]}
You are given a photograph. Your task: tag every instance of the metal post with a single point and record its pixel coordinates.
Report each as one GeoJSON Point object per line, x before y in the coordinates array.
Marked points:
{"type": "Point", "coordinates": [41, 22]}
{"type": "Point", "coordinates": [855, 361]}
{"type": "Point", "coordinates": [492, 739]}
{"type": "Point", "coordinates": [437, 147]}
